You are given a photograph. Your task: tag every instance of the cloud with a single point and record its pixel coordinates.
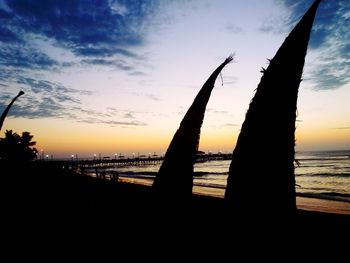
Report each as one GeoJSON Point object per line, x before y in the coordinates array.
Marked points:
{"type": "Point", "coordinates": [147, 95]}
{"type": "Point", "coordinates": [120, 64]}
{"type": "Point", "coordinates": [329, 41]}
{"type": "Point", "coordinates": [104, 52]}
{"type": "Point", "coordinates": [234, 29]}
{"type": "Point", "coordinates": [118, 8]}
{"type": "Point", "coordinates": [24, 57]}
{"type": "Point", "coordinates": [330, 19]}
{"type": "Point", "coordinates": [230, 125]}
{"type": "Point", "coordinates": [219, 112]}
{"type": "Point", "coordinates": [152, 97]}
{"type": "Point", "coordinates": [112, 123]}
{"type": "Point", "coordinates": [7, 35]}
{"type": "Point", "coordinates": [93, 31]}
{"type": "Point", "coordinates": [342, 128]}
{"type": "Point", "coordinates": [45, 99]}
{"type": "Point", "coordinates": [86, 27]}
{"type": "Point", "coordinates": [275, 24]}
{"type": "Point", "coordinates": [129, 115]}
{"type": "Point", "coordinates": [40, 37]}
{"type": "Point", "coordinates": [112, 111]}
{"type": "Point", "coordinates": [108, 117]}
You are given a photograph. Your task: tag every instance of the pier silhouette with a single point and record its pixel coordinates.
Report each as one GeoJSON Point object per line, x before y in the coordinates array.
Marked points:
{"type": "Point", "coordinates": [82, 165]}
{"type": "Point", "coordinates": [136, 161]}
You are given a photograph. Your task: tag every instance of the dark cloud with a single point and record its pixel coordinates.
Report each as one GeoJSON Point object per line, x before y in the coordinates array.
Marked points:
{"type": "Point", "coordinates": [113, 123]}
{"type": "Point", "coordinates": [93, 117]}
{"type": "Point", "coordinates": [330, 18]}
{"type": "Point", "coordinates": [127, 114]}
{"type": "Point", "coordinates": [103, 52]}
{"type": "Point", "coordinates": [100, 33]}
{"type": "Point", "coordinates": [137, 73]}
{"type": "Point", "coordinates": [116, 63]}
{"type": "Point", "coordinates": [330, 35]}
{"type": "Point", "coordinates": [49, 88]}
{"type": "Point", "coordinates": [45, 99]}
{"type": "Point", "coordinates": [7, 35]}
{"type": "Point", "coordinates": [333, 76]}
{"type": "Point", "coordinates": [95, 32]}
{"type": "Point", "coordinates": [88, 28]}
{"type": "Point", "coordinates": [23, 57]}
{"type": "Point", "coordinates": [132, 123]}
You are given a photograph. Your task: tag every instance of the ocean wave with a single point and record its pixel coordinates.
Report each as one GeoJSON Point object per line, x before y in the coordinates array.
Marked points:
{"type": "Point", "coordinates": [200, 173]}
{"type": "Point", "coordinates": [327, 195]}
{"type": "Point", "coordinates": [142, 173]}
{"type": "Point", "coordinates": [196, 174]}
{"type": "Point", "coordinates": [211, 185]}
{"type": "Point", "coordinates": [340, 175]}
{"type": "Point", "coordinates": [316, 166]}
{"type": "Point", "coordinates": [324, 158]}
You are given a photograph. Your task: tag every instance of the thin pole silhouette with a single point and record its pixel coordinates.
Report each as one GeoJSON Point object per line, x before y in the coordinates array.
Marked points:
{"type": "Point", "coordinates": [175, 176]}
{"type": "Point", "coordinates": [261, 175]}
{"type": "Point", "coordinates": [4, 114]}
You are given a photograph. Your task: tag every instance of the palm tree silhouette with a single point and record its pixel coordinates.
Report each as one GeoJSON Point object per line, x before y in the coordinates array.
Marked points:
{"type": "Point", "coordinates": [261, 176]}
{"type": "Point", "coordinates": [175, 176]}
{"type": "Point", "coordinates": [14, 147]}
{"type": "Point", "coordinates": [4, 114]}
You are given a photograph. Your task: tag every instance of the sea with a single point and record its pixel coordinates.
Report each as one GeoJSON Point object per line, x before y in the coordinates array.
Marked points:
{"type": "Point", "coordinates": [318, 174]}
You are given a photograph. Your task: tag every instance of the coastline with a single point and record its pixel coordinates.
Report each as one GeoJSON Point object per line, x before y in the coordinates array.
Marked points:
{"type": "Point", "coordinates": [43, 197]}
{"type": "Point", "coordinates": [323, 205]}
{"type": "Point", "coordinates": [303, 202]}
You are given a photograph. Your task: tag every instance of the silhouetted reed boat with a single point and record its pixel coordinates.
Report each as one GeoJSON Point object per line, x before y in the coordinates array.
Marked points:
{"type": "Point", "coordinates": [253, 188]}
{"type": "Point", "coordinates": [175, 176]}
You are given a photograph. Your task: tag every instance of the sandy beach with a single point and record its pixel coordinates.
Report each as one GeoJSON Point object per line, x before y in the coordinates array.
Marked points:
{"type": "Point", "coordinates": [305, 203]}
{"type": "Point", "coordinates": [45, 197]}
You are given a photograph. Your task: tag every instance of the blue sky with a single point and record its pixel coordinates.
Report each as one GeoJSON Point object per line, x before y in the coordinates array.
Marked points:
{"type": "Point", "coordinates": [134, 67]}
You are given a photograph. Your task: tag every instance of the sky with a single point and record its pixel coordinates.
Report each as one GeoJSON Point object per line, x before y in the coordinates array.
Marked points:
{"type": "Point", "coordinates": [115, 77]}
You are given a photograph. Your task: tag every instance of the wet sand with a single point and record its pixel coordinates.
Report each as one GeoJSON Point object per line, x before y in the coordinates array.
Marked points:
{"type": "Point", "coordinates": [46, 198]}
{"type": "Point", "coordinates": [305, 203]}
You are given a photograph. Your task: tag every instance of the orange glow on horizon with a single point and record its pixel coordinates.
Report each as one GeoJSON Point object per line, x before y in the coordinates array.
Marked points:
{"type": "Point", "coordinates": [63, 138]}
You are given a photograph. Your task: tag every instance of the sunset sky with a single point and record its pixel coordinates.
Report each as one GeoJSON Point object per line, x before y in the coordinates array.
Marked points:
{"type": "Point", "coordinates": [117, 76]}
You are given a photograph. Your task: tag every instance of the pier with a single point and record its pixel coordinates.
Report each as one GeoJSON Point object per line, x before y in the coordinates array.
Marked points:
{"type": "Point", "coordinates": [137, 161]}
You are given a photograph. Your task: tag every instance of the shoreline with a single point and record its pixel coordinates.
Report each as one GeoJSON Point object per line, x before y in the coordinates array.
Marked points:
{"type": "Point", "coordinates": [323, 205]}
{"type": "Point", "coordinates": [65, 198]}
{"type": "Point", "coordinates": [303, 202]}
